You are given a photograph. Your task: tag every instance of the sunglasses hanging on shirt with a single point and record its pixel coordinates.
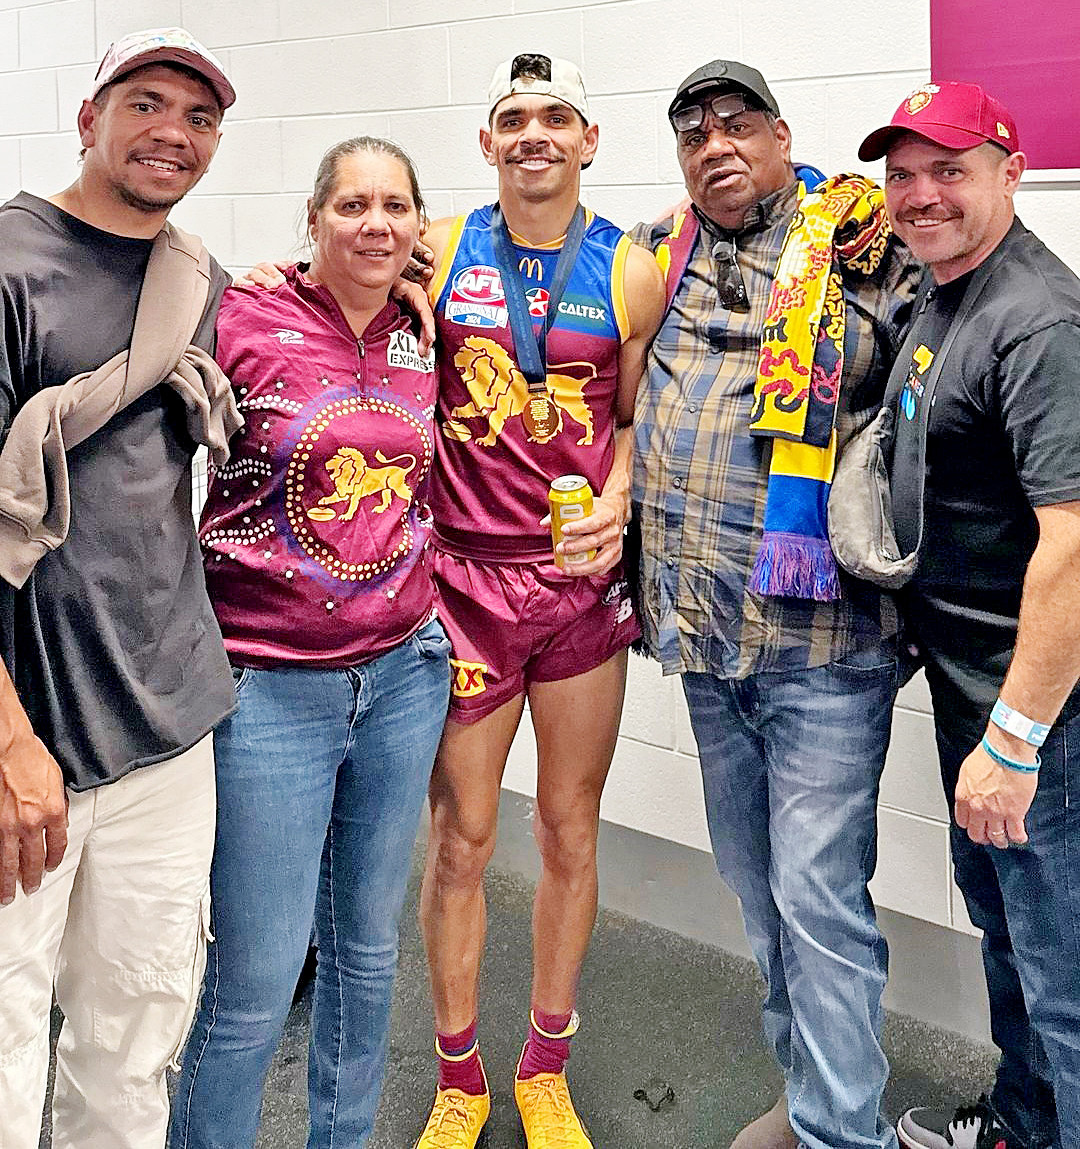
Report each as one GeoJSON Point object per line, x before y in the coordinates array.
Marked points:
{"type": "Point", "coordinates": [729, 280]}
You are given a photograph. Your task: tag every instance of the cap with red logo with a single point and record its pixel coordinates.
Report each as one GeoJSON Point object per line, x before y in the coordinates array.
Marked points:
{"type": "Point", "coordinates": [952, 114]}
{"type": "Point", "coordinates": [163, 46]}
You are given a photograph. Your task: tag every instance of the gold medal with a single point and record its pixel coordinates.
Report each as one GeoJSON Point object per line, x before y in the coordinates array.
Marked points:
{"type": "Point", "coordinates": [541, 417]}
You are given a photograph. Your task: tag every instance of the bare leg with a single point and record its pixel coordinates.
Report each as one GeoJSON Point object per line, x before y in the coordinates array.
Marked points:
{"type": "Point", "coordinates": [464, 810]}
{"type": "Point", "coordinates": [576, 721]}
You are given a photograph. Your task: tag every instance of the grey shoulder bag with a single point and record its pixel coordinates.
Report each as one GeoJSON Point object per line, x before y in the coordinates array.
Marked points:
{"type": "Point", "coordinates": [862, 529]}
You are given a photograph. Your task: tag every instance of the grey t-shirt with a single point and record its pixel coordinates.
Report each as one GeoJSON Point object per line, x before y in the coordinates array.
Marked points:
{"type": "Point", "coordinates": [112, 644]}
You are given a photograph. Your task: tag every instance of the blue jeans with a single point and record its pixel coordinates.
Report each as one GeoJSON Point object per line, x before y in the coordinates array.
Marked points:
{"type": "Point", "coordinates": [1026, 900]}
{"type": "Point", "coordinates": [791, 763]}
{"type": "Point", "coordinates": [321, 778]}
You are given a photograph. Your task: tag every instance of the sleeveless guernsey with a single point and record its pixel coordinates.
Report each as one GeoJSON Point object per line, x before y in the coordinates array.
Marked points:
{"type": "Point", "coordinates": [490, 480]}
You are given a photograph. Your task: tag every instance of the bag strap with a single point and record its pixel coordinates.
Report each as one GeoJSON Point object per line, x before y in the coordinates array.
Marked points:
{"type": "Point", "coordinates": [916, 451]}
{"type": "Point", "coordinates": [172, 300]}
{"type": "Point", "coordinates": [673, 251]}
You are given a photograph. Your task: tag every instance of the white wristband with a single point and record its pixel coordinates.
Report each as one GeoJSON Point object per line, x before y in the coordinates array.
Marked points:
{"type": "Point", "coordinates": [1013, 722]}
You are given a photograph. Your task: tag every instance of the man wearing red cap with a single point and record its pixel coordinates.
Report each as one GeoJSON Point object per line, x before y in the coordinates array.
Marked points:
{"type": "Point", "coordinates": [985, 480]}
{"type": "Point", "coordinates": [113, 672]}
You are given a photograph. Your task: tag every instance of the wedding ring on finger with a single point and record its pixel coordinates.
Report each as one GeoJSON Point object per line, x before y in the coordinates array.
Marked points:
{"type": "Point", "coordinates": [1000, 839]}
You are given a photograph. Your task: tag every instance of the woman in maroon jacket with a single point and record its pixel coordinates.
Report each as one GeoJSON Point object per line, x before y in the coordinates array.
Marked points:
{"type": "Point", "coordinates": [315, 540]}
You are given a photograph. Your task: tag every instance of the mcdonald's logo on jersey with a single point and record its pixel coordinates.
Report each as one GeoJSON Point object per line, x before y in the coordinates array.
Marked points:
{"type": "Point", "coordinates": [531, 267]}
{"type": "Point", "coordinates": [468, 678]}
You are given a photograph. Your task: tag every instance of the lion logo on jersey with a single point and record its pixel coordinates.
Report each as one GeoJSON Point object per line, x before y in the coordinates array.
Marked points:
{"type": "Point", "coordinates": [498, 391]}
{"type": "Point", "coordinates": [355, 479]}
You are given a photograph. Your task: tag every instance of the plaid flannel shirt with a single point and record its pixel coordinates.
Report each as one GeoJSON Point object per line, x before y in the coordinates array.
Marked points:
{"type": "Point", "coordinates": [700, 479]}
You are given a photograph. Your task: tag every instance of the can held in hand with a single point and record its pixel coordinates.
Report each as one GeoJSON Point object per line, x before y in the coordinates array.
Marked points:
{"type": "Point", "coordinates": [569, 498]}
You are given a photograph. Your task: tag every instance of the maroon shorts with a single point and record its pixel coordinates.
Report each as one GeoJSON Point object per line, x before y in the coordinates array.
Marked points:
{"type": "Point", "coordinates": [515, 623]}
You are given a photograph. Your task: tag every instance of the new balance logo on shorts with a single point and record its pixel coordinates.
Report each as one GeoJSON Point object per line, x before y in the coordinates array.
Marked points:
{"type": "Point", "coordinates": [614, 592]}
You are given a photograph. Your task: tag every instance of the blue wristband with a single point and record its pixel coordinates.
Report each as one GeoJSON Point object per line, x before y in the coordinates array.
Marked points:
{"type": "Point", "coordinates": [1008, 763]}
{"type": "Point", "coordinates": [1013, 722]}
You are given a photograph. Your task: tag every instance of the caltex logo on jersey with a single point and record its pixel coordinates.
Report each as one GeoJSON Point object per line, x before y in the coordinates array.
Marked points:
{"type": "Point", "coordinates": [476, 298]}
{"type": "Point", "coordinates": [538, 301]}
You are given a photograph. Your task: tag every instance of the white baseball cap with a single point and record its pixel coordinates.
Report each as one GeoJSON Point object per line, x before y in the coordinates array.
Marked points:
{"type": "Point", "coordinates": [530, 73]}
{"type": "Point", "coordinates": [166, 46]}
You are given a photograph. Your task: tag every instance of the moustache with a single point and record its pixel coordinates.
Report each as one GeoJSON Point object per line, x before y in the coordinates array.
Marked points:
{"type": "Point", "coordinates": [524, 157]}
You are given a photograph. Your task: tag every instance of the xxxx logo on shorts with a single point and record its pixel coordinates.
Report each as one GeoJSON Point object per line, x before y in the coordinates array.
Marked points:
{"type": "Point", "coordinates": [468, 678]}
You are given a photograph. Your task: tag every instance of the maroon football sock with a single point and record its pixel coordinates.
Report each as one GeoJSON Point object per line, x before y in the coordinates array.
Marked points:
{"type": "Point", "coordinates": [459, 1061]}
{"type": "Point", "coordinates": [548, 1044]}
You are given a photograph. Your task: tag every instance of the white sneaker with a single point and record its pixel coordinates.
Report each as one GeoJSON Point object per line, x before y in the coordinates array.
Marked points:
{"type": "Point", "coordinates": [967, 1127]}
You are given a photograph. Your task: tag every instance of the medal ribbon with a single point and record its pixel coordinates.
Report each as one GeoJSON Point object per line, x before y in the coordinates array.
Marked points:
{"type": "Point", "coordinates": [530, 344]}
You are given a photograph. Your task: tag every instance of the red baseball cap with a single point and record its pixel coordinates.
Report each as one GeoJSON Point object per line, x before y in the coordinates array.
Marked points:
{"type": "Point", "coordinates": [952, 114]}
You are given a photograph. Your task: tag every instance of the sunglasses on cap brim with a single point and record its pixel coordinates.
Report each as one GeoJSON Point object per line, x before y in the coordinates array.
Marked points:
{"type": "Point", "coordinates": [723, 105]}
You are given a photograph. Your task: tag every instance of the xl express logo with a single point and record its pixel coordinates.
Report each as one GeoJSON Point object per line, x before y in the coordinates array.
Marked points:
{"type": "Point", "coordinates": [404, 351]}
{"type": "Point", "coordinates": [476, 298]}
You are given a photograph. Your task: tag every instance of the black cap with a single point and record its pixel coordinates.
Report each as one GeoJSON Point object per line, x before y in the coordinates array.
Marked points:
{"type": "Point", "coordinates": [720, 74]}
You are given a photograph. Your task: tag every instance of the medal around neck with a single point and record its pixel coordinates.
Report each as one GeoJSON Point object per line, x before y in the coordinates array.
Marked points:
{"type": "Point", "coordinates": [541, 416]}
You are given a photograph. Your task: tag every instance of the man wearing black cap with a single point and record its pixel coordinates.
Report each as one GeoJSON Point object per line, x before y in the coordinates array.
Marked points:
{"type": "Point", "coordinates": [113, 672]}
{"type": "Point", "coordinates": [985, 482]}
{"type": "Point", "coordinates": [773, 351]}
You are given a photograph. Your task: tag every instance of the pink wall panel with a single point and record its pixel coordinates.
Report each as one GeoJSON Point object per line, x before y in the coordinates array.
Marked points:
{"type": "Point", "coordinates": [1027, 54]}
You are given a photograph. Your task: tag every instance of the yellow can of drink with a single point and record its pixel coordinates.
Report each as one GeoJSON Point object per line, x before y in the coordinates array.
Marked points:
{"type": "Point", "coordinates": [569, 498]}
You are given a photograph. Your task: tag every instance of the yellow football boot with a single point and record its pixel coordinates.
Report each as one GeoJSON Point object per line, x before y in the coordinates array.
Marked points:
{"type": "Point", "coordinates": [456, 1121]}
{"type": "Point", "coordinates": [457, 1118]}
{"type": "Point", "coordinates": [547, 1113]}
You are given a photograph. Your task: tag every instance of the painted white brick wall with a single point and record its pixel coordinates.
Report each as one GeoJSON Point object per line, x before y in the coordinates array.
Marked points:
{"type": "Point", "coordinates": [311, 72]}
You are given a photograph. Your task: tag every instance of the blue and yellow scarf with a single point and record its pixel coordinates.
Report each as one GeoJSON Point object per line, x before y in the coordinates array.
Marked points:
{"type": "Point", "coordinates": [840, 223]}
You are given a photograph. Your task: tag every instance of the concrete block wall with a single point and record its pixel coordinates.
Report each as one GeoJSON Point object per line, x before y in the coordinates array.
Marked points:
{"type": "Point", "coordinates": [311, 72]}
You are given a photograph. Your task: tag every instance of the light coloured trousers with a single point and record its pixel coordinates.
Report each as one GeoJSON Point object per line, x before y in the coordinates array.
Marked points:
{"type": "Point", "coordinates": [119, 932]}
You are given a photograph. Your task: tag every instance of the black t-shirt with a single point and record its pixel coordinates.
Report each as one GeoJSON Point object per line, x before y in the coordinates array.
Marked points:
{"type": "Point", "coordinates": [1003, 438]}
{"type": "Point", "coordinates": [112, 645]}
{"type": "Point", "coordinates": [933, 316]}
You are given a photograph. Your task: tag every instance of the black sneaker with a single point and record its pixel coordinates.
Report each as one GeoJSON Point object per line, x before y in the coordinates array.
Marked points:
{"type": "Point", "coordinates": [967, 1127]}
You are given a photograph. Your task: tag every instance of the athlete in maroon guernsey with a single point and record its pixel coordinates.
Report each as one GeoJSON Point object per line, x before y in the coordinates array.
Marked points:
{"type": "Point", "coordinates": [520, 626]}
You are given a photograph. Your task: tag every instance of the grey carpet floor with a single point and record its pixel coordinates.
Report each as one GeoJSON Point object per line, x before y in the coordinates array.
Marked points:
{"type": "Point", "coordinates": [655, 1007]}
{"type": "Point", "coordinates": [657, 1010]}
